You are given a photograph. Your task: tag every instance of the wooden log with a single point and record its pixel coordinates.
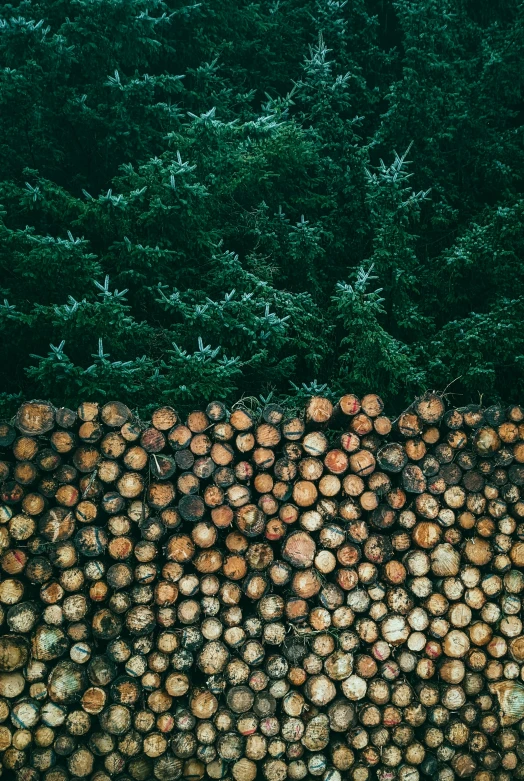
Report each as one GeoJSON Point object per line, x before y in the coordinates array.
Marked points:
{"type": "Point", "coordinates": [35, 418]}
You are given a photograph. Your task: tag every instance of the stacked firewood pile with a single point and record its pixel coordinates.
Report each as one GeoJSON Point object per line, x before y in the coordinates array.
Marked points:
{"type": "Point", "coordinates": [331, 595]}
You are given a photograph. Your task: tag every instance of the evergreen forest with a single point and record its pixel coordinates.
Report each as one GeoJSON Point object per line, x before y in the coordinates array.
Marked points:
{"type": "Point", "coordinates": [254, 199]}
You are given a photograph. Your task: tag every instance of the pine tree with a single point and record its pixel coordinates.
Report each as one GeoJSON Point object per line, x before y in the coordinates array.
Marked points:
{"type": "Point", "coordinates": [244, 199]}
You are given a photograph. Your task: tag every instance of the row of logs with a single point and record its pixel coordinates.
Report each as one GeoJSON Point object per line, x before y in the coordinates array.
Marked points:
{"type": "Point", "coordinates": [242, 595]}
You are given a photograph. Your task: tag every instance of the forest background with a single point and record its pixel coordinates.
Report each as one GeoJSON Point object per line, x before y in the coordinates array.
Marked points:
{"type": "Point", "coordinates": [232, 199]}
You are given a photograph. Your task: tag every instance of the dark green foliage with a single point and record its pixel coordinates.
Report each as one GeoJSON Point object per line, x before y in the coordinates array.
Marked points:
{"type": "Point", "coordinates": [220, 199]}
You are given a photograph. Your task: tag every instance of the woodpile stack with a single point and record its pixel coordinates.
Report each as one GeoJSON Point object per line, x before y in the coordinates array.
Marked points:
{"type": "Point", "coordinates": [230, 596]}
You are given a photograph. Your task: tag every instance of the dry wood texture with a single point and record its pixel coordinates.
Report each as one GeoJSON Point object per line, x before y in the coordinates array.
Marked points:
{"type": "Point", "coordinates": [243, 595]}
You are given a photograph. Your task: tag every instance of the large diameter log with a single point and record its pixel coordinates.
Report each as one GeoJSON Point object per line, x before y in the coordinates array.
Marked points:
{"type": "Point", "coordinates": [320, 690]}
{"type": "Point", "coordinates": [299, 550]}
{"type": "Point", "coordinates": [67, 682]}
{"type": "Point", "coordinates": [35, 418]}
{"type": "Point", "coordinates": [115, 414]}
{"type": "Point", "coordinates": [14, 652]}
{"type": "Point", "coordinates": [392, 458]}
{"type": "Point", "coordinates": [430, 408]}
{"type": "Point", "coordinates": [510, 695]}
{"type": "Point", "coordinates": [11, 684]}
{"type": "Point", "coordinates": [319, 410]}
